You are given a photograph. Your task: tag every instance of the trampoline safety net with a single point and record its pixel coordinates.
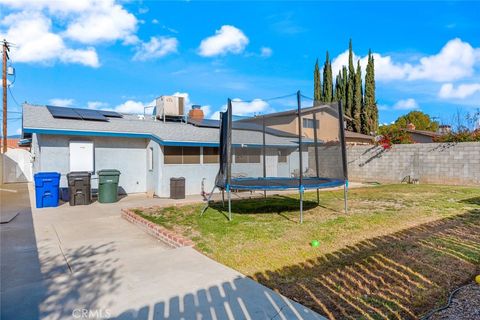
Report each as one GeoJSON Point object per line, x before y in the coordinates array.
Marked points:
{"type": "Point", "coordinates": [303, 148]}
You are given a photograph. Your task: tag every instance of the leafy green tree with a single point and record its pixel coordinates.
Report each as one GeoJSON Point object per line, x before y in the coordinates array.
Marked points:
{"type": "Point", "coordinates": [327, 80]}
{"type": "Point", "coordinates": [421, 120]}
{"type": "Point", "coordinates": [317, 85]}
{"type": "Point", "coordinates": [357, 100]}
{"type": "Point", "coordinates": [394, 135]}
{"type": "Point", "coordinates": [371, 109]}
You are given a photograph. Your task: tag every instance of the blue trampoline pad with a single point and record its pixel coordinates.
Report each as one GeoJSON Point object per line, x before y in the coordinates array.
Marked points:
{"type": "Point", "coordinates": [277, 183]}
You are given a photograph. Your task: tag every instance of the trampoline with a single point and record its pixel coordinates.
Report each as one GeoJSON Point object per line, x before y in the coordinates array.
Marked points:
{"type": "Point", "coordinates": [276, 183]}
{"type": "Point", "coordinates": [301, 148]}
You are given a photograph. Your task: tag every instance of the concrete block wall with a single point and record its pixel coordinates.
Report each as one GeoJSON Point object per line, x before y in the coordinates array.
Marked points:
{"type": "Point", "coordinates": [442, 163]}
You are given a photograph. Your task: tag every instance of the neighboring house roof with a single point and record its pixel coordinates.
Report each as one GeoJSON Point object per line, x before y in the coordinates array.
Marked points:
{"type": "Point", "coordinates": [357, 135]}
{"type": "Point", "coordinates": [37, 119]}
{"type": "Point", "coordinates": [423, 132]}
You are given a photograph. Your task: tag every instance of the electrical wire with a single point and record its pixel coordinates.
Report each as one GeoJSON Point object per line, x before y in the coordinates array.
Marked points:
{"type": "Point", "coordinates": [13, 98]}
{"type": "Point", "coordinates": [449, 302]}
{"type": "Point", "coordinates": [304, 96]}
{"type": "Point", "coordinates": [266, 100]}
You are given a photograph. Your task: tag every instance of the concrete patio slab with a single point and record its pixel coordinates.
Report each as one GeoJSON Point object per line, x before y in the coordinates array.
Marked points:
{"type": "Point", "coordinates": [59, 262]}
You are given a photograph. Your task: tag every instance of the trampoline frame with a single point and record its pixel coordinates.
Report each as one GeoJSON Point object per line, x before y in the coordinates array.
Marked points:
{"type": "Point", "coordinates": [230, 183]}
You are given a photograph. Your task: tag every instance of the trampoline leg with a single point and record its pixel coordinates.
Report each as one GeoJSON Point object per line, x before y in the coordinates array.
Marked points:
{"type": "Point", "coordinates": [208, 202]}
{"type": "Point", "coordinates": [318, 196]}
{"type": "Point", "coordinates": [301, 206]}
{"type": "Point", "coordinates": [265, 194]}
{"type": "Point", "coordinates": [229, 205]}
{"type": "Point", "coordinates": [345, 196]}
{"type": "Point", "coordinates": [223, 198]}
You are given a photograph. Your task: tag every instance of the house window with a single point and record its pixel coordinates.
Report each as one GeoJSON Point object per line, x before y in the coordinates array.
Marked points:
{"type": "Point", "coordinates": [282, 156]}
{"type": "Point", "coordinates": [210, 155]}
{"type": "Point", "coordinates": [150, 159]}
{"type": "Point", "coordinates": [247, 155]}
{"type": "Point", "coordinates": [181, 155]}
{"type": "Point", "coordinates": [309, 123]}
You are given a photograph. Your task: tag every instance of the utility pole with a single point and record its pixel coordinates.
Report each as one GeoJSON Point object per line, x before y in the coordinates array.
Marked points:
{"type": "Point", "coordinates": [4, 80]}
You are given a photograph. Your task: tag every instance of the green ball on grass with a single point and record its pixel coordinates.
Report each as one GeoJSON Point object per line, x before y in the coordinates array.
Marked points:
{"type": "Point", "coordinates": [315, 243]}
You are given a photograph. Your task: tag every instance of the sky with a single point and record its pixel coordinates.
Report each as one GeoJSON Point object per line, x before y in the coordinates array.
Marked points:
{"type": "Point", "coordinates": [121, 55]}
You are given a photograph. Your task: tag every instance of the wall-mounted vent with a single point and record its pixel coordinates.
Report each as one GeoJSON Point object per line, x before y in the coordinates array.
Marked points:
{"type": "Point", "coordinates": [170, 106]}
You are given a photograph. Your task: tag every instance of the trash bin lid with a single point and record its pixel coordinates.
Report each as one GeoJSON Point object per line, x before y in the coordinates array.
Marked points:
{"type": "Point", "coordinates": [177, 179]}
{"type": "Point", "coordinates": [78, 174]}
{"type": "Point", "coordinates": [108, 172]}
{"type": "Point", "coordinates": [47, 175]}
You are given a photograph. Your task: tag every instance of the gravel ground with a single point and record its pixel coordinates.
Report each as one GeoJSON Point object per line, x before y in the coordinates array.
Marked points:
{"type": "Point", "coordinates": [465, 305]}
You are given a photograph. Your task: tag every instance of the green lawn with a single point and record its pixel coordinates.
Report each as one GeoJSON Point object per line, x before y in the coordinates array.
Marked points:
{"type": "Point", "coordinates": [395, 255]}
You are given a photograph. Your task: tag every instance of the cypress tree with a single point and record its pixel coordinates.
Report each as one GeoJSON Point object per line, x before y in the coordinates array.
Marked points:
{"type": "Point", "coordinates": [357, 101]}
{"type": "Point", "coordinates": [350, 88]}
{"type": "Point", "coordinates": [338, 87]}
{"type": "Point", "coordinates": [370, 99]}
{"type": "Point", "coordinates": [327, 80]}
{"type": "Point", "coordinates": [317, 84]}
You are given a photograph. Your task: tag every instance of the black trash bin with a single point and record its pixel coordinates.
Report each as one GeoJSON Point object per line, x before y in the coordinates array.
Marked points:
{"type": "Point", "coordinates": [177, 188]}
{"type": "Point", "coordinates": [79, 188]}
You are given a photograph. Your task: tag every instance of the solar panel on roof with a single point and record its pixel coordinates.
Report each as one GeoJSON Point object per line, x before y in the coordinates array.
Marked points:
{"type": "Point", "coordinates": [111, 114]}
{"type": "Point", "coordinates": [61, 112]}
{"type": "Point", "coordinates": [207, 123]}
{"type": "Point", "coordinates": [87, 114]}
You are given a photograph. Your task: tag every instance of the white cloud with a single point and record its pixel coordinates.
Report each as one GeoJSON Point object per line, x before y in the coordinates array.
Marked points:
{"type": "Point", "coordinates": [155, 21]}
{"type": "Point", "coordinates": [228, 39]}
{"type": "Point", "coordinates": [243, 108]}
{"type": "Point", "coordinates": [18, 131]}
{"type": "Point", "coordinates": [456, 60]}
{"type": "Point", "coordinates": [105, 21]}
{"type": "Point", "coordinates": [266, 52]}
{"type": "Point", "coordinates": [29, 26]}
{"type": "Point", "coordinates": [61, 102]}
{"type": "Point", "coordinates": [462, 91]}
{"type": "Point", "coordinates": [215, 115]}
{"type": "Point", "coordinates": [157, 47]}
{"type": "Point", "coordinates": [96, 105]}
{"type": "Point", "coordinates": [206, 111]}
{"type": "Point", "coordinates": [407, 104]}
{"type": "Point", "coordinates": [132, 106]}
{"type": "Point", "coordinates": [35, 42]}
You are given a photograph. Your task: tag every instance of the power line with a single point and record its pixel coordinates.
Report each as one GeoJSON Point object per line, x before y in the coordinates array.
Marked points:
{"type": "Point", "coordinates": [266, 100]}
{"type": "Point", "coordinates": [13, 97]}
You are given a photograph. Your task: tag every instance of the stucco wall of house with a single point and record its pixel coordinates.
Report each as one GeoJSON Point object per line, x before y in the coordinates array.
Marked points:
{"type": "Point", "coordinates": [442, 163]}
{"type": "Point", "coordinates": [127, 155]}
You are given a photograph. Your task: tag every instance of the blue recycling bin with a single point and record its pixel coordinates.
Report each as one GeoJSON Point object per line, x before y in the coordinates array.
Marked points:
{"type": "Point", "coordinates": [46, 189]}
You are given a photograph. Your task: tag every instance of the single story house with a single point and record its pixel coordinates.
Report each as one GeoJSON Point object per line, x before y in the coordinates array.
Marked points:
{"type": "Point", "coordinates": [422, 136]}
{"type": "Point", "coordinates": [147, 151]}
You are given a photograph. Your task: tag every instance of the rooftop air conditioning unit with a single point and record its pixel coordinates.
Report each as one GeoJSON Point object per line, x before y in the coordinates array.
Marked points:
{"type": "Point", "coordinates": [170, 106]}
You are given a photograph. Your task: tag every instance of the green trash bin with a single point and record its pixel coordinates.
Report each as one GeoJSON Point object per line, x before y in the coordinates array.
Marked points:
{"type": "Point", "coordinates": [108, 185]}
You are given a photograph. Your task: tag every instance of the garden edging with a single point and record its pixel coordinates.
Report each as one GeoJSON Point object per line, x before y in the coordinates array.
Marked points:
{"type": "Point", "coordinates": [169, 237]}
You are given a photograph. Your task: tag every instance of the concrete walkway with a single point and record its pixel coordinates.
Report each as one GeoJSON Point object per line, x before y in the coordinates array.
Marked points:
{"type": "Point", "coordinates": [86, 262]}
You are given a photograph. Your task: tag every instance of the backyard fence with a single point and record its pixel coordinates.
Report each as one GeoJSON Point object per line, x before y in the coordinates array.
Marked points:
{"type": "Point", "coordinates": [441, 163]}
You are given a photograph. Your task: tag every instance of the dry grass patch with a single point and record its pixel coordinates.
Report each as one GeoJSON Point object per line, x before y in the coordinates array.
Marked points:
{"type": "Point", "coordinates": [397, 253]}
